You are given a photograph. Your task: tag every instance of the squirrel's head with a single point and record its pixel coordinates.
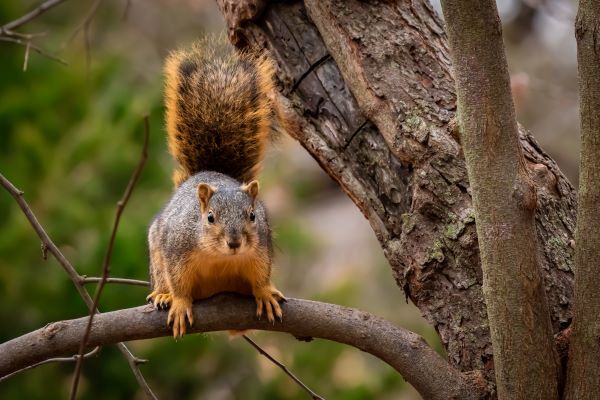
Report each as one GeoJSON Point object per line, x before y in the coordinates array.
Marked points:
{"type": "Point", "coordinates": [229, 218]}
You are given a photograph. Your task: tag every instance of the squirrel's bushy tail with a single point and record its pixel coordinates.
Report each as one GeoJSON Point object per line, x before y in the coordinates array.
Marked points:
{"type": "Point", "coordinates": [219, 109]}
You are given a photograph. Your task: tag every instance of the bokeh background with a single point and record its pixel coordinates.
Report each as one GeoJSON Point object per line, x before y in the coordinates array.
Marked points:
{"type": "Point", "coordinates": [70, 137]}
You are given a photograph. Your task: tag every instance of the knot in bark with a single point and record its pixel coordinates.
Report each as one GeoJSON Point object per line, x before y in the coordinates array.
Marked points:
{"type": "Point", "coordinates": [525, 193]}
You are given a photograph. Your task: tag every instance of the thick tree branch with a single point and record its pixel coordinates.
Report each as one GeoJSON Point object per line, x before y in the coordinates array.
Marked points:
{"type": "Point", "coordinates": [405, 351]}
{"type": "Point", "coordinates": [504, 198]}
{"type": "Point", "coordinates": [369, 84]}
{"type": "Point", "coordinates": [583, 376]}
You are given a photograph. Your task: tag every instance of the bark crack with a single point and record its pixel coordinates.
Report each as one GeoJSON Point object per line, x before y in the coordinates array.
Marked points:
{"type": "Point", "coordinates": [312, 68]}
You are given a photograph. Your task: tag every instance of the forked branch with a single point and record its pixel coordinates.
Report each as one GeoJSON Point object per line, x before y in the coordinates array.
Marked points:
{"type": "Point", "coordinates": [106, 264]}
{"type": "Point", "coordinates": [49, 246]}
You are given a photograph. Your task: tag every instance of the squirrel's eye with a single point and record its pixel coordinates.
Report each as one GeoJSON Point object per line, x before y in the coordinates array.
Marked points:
{"type": "Point", "coordinates": [211, 217]}
{"type": "Point", "coordinates": [252, 216]}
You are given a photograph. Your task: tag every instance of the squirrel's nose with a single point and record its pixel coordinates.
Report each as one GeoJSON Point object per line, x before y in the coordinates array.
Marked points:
{"type": "Point", "coordinates": [234, 244]}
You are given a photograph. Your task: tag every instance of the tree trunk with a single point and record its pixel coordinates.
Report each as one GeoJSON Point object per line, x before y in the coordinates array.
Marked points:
{"type": "Point", "coordinates": [583, 376]}
{"type": "Point", "coordinates": [369, 84]}
{"type": "Point", "coordinates": [504, 199]}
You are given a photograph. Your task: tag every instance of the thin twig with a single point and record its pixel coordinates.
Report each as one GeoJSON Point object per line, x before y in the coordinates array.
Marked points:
{"type": "Point", "coordinates": [53, 360]}
{"type": "Point", "coordinates": [283, 367]}
{"type": "Point", "coordinates": [26, 36]}
{"type": "Point", "coordinates": [126, 11]}
{"type": "Point", "coordinates": [87, 47]}
{"type": "Point", "coordinates": [133, 362]}
{"type": "Point", "coordinates": [42, 8]}
{"type": "Point", "coordinates": [85, 25]}
{"type": "Point", "coordinates": [24, 39]}
{"type": "Point", "coordinates": [49, 246]}
{"type": "Point", "coordinates": [34, 47]}
{"type": "Point", "coordinates": [123, 281]}
{"type": "Point", "coordinates": [87, 20]}
{"type": "Point", "coordinates": [106, 265]}
{"type": "Point", "coordinates": [26, 60]}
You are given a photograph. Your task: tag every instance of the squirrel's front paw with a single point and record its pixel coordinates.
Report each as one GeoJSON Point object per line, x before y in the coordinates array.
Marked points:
{"type": "Point", "coordinates": [269, 298]}
{"type": "Point", "coordinates": [180, 309]}
{"type": "Point", "coordinates": [161, 301]}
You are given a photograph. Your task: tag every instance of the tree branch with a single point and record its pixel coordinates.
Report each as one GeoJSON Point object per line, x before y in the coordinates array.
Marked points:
{"type": "Point", "coordinates": [283, 368]}
{"type": "Point", "coordinates": [52, 360]}
{"type": "Point", "coordinates": [49, 246]}
{"type": "Point", "coordinates": [42, 8]}
{"type": "Point", "coordinates": [374, 101]}
{"type": "Point", "coordinates": [405, 351]}
{"type": "Point", "coordinates": [583, 374]}
{"type": "Point", "coordinates": [8, 35]}
{"type": "Point", "coordinates": [504, 199]}
{"type": "Point", "coordinates": [106, 264]}
{"type": "Point", "coordinates": [123, 281]}
{"type": "Point", "coordinates": [30, 46]}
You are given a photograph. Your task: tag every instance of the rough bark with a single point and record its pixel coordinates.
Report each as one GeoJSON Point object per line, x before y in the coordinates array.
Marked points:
{"type": "Point", "coordinates": [369, 83]}
{"type": "Point", "coordinates": [583, 376]}
{"type": "Point", "coordinates": [405, 351]}
{"type": "Point", "coordinates": [504, 199]}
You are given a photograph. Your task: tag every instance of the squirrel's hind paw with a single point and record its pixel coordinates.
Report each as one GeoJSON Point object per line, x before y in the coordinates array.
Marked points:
{"type": "Point", "coordinates": [269, 298]}
{"type": "Point", "coordinates": [161, 301]}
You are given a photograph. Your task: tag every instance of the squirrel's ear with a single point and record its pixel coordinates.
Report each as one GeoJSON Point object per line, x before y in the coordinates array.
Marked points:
{"type": "Point", "coordinates": [252, 189]}
{"type": "Point", "coordinates": [205, 192]}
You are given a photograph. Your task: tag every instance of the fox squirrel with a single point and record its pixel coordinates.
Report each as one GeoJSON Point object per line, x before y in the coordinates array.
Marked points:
{"type": "Point", "coordinates": [213, 235]}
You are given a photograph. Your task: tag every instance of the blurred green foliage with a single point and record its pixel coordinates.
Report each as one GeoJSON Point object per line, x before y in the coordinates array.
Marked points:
{"type": "Point", "coordinates": [71, 136]}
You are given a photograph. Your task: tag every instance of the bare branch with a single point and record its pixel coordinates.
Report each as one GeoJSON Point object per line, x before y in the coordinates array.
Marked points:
{"type": "Point", "coordinates": [49, 246]}
{"type": "Point", "coordinates": [85, 25]}
{"type": "Point", "coordinates": [42, 8]}
{"type": "Point", "coordinates": [106, 265]}
{"type": "Point", "coordinates": [123, 281]}
{"type": "Point", "coordinates": [133, 362]}
{"type": "Point", "coordinates": [126, 11]}
{"type": "Point", "coordinates": [405, 351]}
{"type": "Point", "coordinates": [37, 49]}
{"type": "Point", "coordinates": [26, 59]}
{"type": "Point", "coordinates": [52, 360]}
{"type": "Point", "coordinates": [26, 36]}
{"type": "Point", "coordinates": [283, 367]}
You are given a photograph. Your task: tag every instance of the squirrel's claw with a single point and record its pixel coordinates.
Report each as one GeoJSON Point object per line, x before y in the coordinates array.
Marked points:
{"type": "Point", "coordinates": [278, 295]}
{"type": "Point", "coordinates": [259, 307]}
{"type": "Point", "coordinates": [149, 298]}
{"type": "Point", "coordinates": [268, 299]}
{"type": "Point", "coordinates": [181, 309]}
{"type": "Point", "coordinates": [276, 308]}
{"type": "Point", "coordinates": [161, 301]}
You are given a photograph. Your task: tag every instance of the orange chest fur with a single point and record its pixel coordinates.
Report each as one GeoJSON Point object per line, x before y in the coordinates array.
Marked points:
{"type": "Point", "coordinates": [207, 275]}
